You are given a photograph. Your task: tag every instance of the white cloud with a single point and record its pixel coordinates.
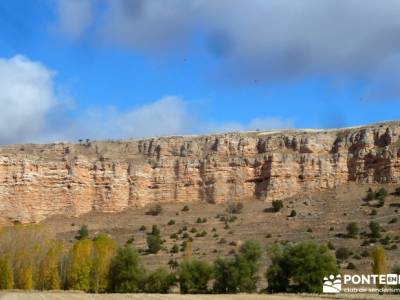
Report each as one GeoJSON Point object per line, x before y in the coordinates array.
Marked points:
{"type": "Point", "coordinates": [263, 40]}
{"type": "Point", "coordinates": [166, 116]}
{"type": "Point", "coordinates": [26, 97]}
{"type": "Point", "coordinates": [32, 112]}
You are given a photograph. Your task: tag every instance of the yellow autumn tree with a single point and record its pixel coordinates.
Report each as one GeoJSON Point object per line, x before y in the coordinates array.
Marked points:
{"type": "Point", "coordinates": [104, 249]}
{"type": "Point", "coordinates": [6, 273]}
{"type": "Point", "coordinates": [380, 262]}
{"type": "Point", "coordinates": [48, 277]}
{"type": "Point", "coordinates": [80, 265]}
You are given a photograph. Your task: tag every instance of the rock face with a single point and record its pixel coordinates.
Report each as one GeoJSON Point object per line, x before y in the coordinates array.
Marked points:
{"type": "Point", "coordinates": [37, 181]}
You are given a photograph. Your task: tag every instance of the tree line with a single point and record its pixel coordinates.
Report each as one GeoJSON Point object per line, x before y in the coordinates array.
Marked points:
{"type": "Point", "coordinates": [31, 259]}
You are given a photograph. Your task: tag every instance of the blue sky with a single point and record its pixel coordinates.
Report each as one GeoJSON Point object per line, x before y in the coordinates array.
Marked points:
{"type": "Point", "coordinates": [102, 69]}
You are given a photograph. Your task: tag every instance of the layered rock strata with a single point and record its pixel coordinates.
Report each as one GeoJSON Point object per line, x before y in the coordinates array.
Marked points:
{"type": "Point", "coordinates": [37, 181]}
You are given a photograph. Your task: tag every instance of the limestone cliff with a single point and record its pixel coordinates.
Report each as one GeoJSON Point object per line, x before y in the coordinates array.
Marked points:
{"type": "Point", "coordinates": [37, 181]}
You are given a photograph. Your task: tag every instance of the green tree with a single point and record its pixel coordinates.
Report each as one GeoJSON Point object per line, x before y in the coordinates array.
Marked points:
{"type": "Point", "coordinates": [159, 281]}
{"type": "Point", "coordinates": [194, 276]}
{"type": "Point", "coordinates": [104, 249]}
{"type": "Point", "coordinates": [127, 273]}
{"type": "Point", "coordinates": [300, 268]}
{"type": "Point", "coordinates": [80, 265]}
{"type": "Point", "coordinates": [6, 273]}
{"type": "Point", "coordinates": [352, 229]}
{"type": "Point", "coordinates": [239, 274]}
{"type": "Point", "coordinates": [154, 240]}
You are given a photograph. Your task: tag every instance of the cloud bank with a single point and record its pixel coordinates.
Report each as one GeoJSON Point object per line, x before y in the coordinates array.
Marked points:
{"type": "Point", "coordinates": [263, 40]}
{"type": "Point", "coordinates": [32, 111]}
{"type": "Point", "coordinates": [27, 95]}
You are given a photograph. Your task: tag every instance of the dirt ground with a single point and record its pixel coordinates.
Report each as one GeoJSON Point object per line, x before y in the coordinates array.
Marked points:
{"type": "Point", "coordinates": [82, 296]}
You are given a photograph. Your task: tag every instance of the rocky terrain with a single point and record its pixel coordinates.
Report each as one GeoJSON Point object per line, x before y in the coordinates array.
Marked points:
{"type": "Point", "coordinates": [38, 181]}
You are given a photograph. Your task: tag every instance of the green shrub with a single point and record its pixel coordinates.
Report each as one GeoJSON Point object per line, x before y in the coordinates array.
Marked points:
{"type": "Point", "coordinates": [351, 266]}
{"type": "Point", "coordinates": [293, 213]}
{"type": "Point", "coordinates": [185, 208]}
{"type": "Point", "coordinates": [397, 191]}
{"type": "Point", "coordinates": [175, 248]}
{"type": "Point", "coordinates": [142, 228]}
{"type": "Point", "coordinates": [375, 229]}
{"type": "Point", "coordinates": [234, 208]}
{"type": "Point", "coordinates": [155, 210]}
{"type": "Point", "coordinates": [171, 222]}
{"type": "Point", "coordinates": [342, 253]}
{"type": "Point", "coordinates": [381, 194]}
{"type": "Point", "coordinates": [154, 240]}
{"type": "Point", "coordinates": [352, 229]}
{"type": "Point", "coordinates": [277, 205]}
{"type": "Point", "coordinates": [330, 246]}
{"type": "Point", "coordinates": [83, 232]}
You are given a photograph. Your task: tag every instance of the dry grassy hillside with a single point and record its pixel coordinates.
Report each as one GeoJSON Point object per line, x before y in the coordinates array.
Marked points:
{"type": "Point", "coordinates": [321, 216]}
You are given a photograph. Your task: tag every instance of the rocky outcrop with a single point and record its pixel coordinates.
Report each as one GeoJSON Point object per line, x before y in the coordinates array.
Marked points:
{"type": "Point", "coordinates": [37, 181]}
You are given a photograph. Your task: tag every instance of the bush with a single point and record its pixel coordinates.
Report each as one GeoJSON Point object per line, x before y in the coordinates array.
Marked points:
{"type": "Point", "coordinates": [397, 191]}
{"type": "Point", "coordinates": [365, 253]}
{"type": "Point", "coordinates": [175, 248]}
{"type": "Point", "coordinates": [126, 271]}
{"type": "Point", "coordinates": [142, 228]}
{"type": "Point", "coordinates": [238, 275]}
{"type": "Point", "coordinates": [173, 236]}
{"type": "Point", "coordinates": [154, 240]}
{"type": "Point", "coordinates": [277, 205]}
{"type": "Point", "coordinates": [373, 212]}
{"type": "Point", "coordinates": [375, 229]}
{"type": "Point", "coordinates": [381, 194]}
{"type": "Point", "coordinates": [352, 229]}
{"type": "Point", "coordinates": [234, 208]}
{"type": "Point", "coordinates": [351, 266]}
{"type": "Point", "coordinates": [155, 210]}
{"type": "Point", "coordinates": [330, 246]}
{"type": "Point", "coordinates": [185, 208]}
{"type": "Point", "coordinates": [159, 281]}
{"type": "Point", "coordinates": [342, 253]}
{"type": "Point", "coordinates": [171, 222]}
{"type": "Point", "coordinates": [194, 277]}
{"type": "Point", "coordinates": [83, 232]}
{"type": "Point", "coordinates": [370, 195]}
{"type": "Point", "coordinates": [291, 269]}
{"type": "Point", "coordinates": [293, 213]}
